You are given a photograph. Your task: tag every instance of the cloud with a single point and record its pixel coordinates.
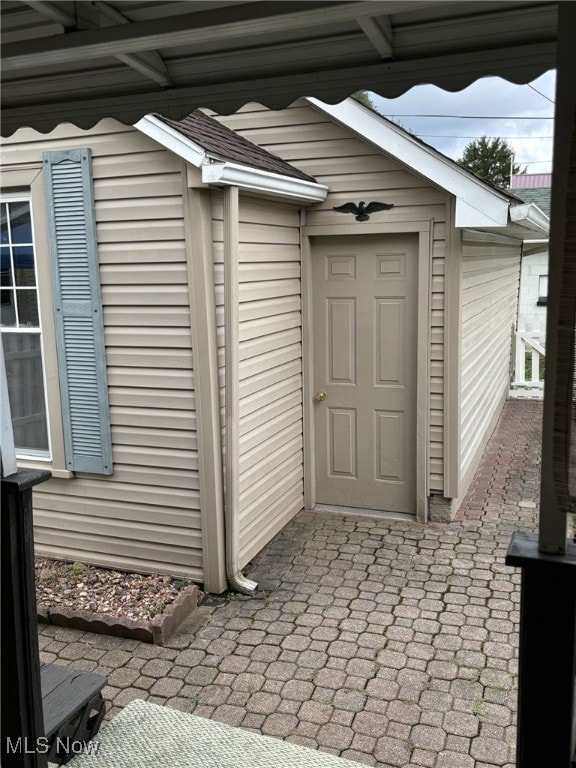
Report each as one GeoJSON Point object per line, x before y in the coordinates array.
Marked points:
{"type": "Point", "coordinates": [486, 98]}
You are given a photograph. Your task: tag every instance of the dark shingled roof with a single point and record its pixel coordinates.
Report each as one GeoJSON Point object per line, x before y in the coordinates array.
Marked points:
{"type": "Point", "coordinates": [228, 145]}
{"type": "Point", "coordinates": [538, 195]}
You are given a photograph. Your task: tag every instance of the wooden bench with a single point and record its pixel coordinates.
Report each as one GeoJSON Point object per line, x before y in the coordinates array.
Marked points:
{"type": "Point", "coordinates": [73, 709]}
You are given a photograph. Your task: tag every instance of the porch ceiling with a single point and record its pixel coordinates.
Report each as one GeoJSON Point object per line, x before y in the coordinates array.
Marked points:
{"type": "Point", "coordinates": [81, 61]}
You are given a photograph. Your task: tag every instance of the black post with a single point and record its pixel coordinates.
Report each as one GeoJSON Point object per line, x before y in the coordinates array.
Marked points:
{"type": "Point", "coordinates": [547, 662]}
{"type": "Point", "coordinates": [22, 720]}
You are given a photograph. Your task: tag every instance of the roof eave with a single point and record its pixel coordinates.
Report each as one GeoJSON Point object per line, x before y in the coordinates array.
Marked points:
{"type": "Point", "coordinates": [477, 204]}
{"type": "Point", "coordinates": [226, 173]}
{"type": "Point", "coordinates": [171, 139]}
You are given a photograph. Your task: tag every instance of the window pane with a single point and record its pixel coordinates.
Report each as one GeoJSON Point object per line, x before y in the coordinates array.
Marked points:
{"type": "Point", "coordinates": [20, 224]}
{"type": "Point", "coordinates": [6, 267]}
{"type": "Point", "coordinates": [543, 286]}
{"type": "Point", "coordinates": [24, 265]}
{"type": "Point", "coordinates": [4, 224]}
{"type": "Point", "coordinates": [26, 390]}
{"type": "Point", "coordinates": [27, 308]}
{"type": "Point", "coordinates": [8, 310]}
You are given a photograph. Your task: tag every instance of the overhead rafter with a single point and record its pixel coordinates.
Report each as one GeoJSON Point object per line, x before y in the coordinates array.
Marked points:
{"type": "Point", "coordinates": [150, 63]}
{"type": "Point", "coordinates": [379, 32]}
{"type": "Point", "coordinates": [54, 11]}
{"type": "Point", "coordinates": [193, 28]}
{"type": "Point", "coordinates": [219, 54]}
{"type": "Point", "coordinates": [279, 91]}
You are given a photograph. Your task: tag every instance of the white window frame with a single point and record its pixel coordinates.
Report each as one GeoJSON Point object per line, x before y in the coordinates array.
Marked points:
{"type": "Point", "coordinates": [27, 184]}
{"type": "Point", "coordinates": [21, 453]}
{"type": "Point", "coordinates": [542, 295]}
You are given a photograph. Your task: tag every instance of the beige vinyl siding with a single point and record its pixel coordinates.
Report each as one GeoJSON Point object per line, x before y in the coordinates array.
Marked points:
{"type": "Point", "coordinates": [146, 516]}
{"type": "Point", "coordinates": [354, 170]}
{"type": "Point", "coordinates": [490, 280]}
{"type": "Point", "coordinates": [437, 367]}
{"type": "Point", "coordinates": [270, 367]}
{"type": "Point", "coordinates": [334, 156]}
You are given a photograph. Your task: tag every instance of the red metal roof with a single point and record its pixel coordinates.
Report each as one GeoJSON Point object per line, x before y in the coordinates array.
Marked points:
{"type": "Point", "coordinates": [531, 180]}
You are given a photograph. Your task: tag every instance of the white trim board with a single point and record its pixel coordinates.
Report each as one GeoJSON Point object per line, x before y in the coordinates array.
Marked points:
{"type": "Point", "coordinates": [478, 205]}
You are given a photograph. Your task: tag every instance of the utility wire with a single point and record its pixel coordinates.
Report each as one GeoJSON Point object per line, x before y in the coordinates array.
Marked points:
{"type": "Point", "coordinates": [441, 136]}
{"type": "Point", "coordinates": [540, 93]}
{"type": "Point", "coordinates": [475, 117]}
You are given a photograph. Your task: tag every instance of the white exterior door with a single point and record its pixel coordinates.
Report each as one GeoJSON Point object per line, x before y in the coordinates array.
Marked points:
{"type": "Point", "coordinates": [365, 363]}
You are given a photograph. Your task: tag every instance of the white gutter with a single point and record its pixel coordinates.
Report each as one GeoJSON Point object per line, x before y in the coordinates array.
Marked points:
{"type": "Point", "coordinates": [530, 217]}
{"type": "Point", "coordinates": [265, 182]}
{"type": "Point", "coordinates": [224, 173]}
{"type": "Point", "coordinates": [531, 247]}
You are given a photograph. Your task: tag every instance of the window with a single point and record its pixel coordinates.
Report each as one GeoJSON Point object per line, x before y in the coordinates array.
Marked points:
{"type": "Point", "coordinates": [542, 291]}
{"type": "Point", "coordinates": [20, 328]}
{"type": "Point", "coordinates": [51, 315]}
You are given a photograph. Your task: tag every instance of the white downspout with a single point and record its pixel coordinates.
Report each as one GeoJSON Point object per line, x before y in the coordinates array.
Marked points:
{"type": "Point", "coordinates": [236, 578]}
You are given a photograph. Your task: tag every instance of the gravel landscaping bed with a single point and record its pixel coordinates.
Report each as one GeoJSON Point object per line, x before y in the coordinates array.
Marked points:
{"type": "Point", "coordinates": [74, 585]}
{"type": "Point", "coordinates": [146, 607]}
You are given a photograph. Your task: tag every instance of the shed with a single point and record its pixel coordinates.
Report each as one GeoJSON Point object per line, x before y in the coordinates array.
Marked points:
{"type": "Point", "coordinates": [410, 314]}
{"type": "Point", "coordinates": [262, 352]}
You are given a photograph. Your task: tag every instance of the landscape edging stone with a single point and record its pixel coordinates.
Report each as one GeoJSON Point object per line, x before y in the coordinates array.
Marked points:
{"type": "Point", "coordinates": [158, 630]}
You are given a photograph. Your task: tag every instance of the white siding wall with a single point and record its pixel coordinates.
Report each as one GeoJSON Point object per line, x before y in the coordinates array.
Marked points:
{"type": "Point", "coordinates": [531, 317]}
{"type": "Point", "coordinates": [354, 171]}
{"type": "Point", "coordinates": [146, 516]}
{"type": "Point", "coordinates": [490, 281]}
{"type": "Point", "coordinates": [271, 442]}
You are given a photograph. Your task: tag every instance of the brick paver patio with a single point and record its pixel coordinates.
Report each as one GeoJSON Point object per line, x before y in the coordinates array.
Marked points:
{"type": "Point", "coordinates": [389, 643]}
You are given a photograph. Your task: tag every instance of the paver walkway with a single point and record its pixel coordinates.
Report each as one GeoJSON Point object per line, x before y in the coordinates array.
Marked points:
{"type": "Point", "coordinates": [389, 643]}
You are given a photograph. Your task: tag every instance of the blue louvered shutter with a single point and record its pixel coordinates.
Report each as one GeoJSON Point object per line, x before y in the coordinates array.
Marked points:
{"type": "Point", "coordinates": [78, 311]}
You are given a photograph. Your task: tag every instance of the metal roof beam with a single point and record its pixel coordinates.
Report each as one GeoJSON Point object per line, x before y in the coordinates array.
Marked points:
{"type": "Point", "coordinates": [149, 64]}
{"type": "Point", "coordinates": [246, 20]}
{"type": "Point", "coordinates": [55, 11]}
{"type": "Point", "coordinates": [379, 32]}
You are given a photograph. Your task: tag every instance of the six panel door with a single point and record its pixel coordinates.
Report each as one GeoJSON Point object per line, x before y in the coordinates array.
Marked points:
{"type": "Point", "coordinates": [365, 357]}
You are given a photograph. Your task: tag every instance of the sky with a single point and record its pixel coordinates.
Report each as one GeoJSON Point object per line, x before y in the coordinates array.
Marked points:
{"type": "Point", "coordinates": [515, 106]}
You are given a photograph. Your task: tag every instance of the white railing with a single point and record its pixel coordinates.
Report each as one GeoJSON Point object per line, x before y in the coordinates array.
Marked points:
{"type": "Point", "coordinates": [528, 380]}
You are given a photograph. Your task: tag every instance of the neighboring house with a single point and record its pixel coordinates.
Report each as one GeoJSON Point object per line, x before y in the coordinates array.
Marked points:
{"type": "Point", "coordinates": [534, 188]}
{"type": "Point", "coordinates": [210, 330]}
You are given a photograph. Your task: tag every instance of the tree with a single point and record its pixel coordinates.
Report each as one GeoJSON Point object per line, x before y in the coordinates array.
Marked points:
{"type": "Point", "coordinates": [492, 159]}
{"type": "Point", "coordinates": [364, 98]}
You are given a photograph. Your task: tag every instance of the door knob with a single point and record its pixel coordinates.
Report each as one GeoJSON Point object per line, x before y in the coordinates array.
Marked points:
{"type": "Point", "coordinates": [319, 396]}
